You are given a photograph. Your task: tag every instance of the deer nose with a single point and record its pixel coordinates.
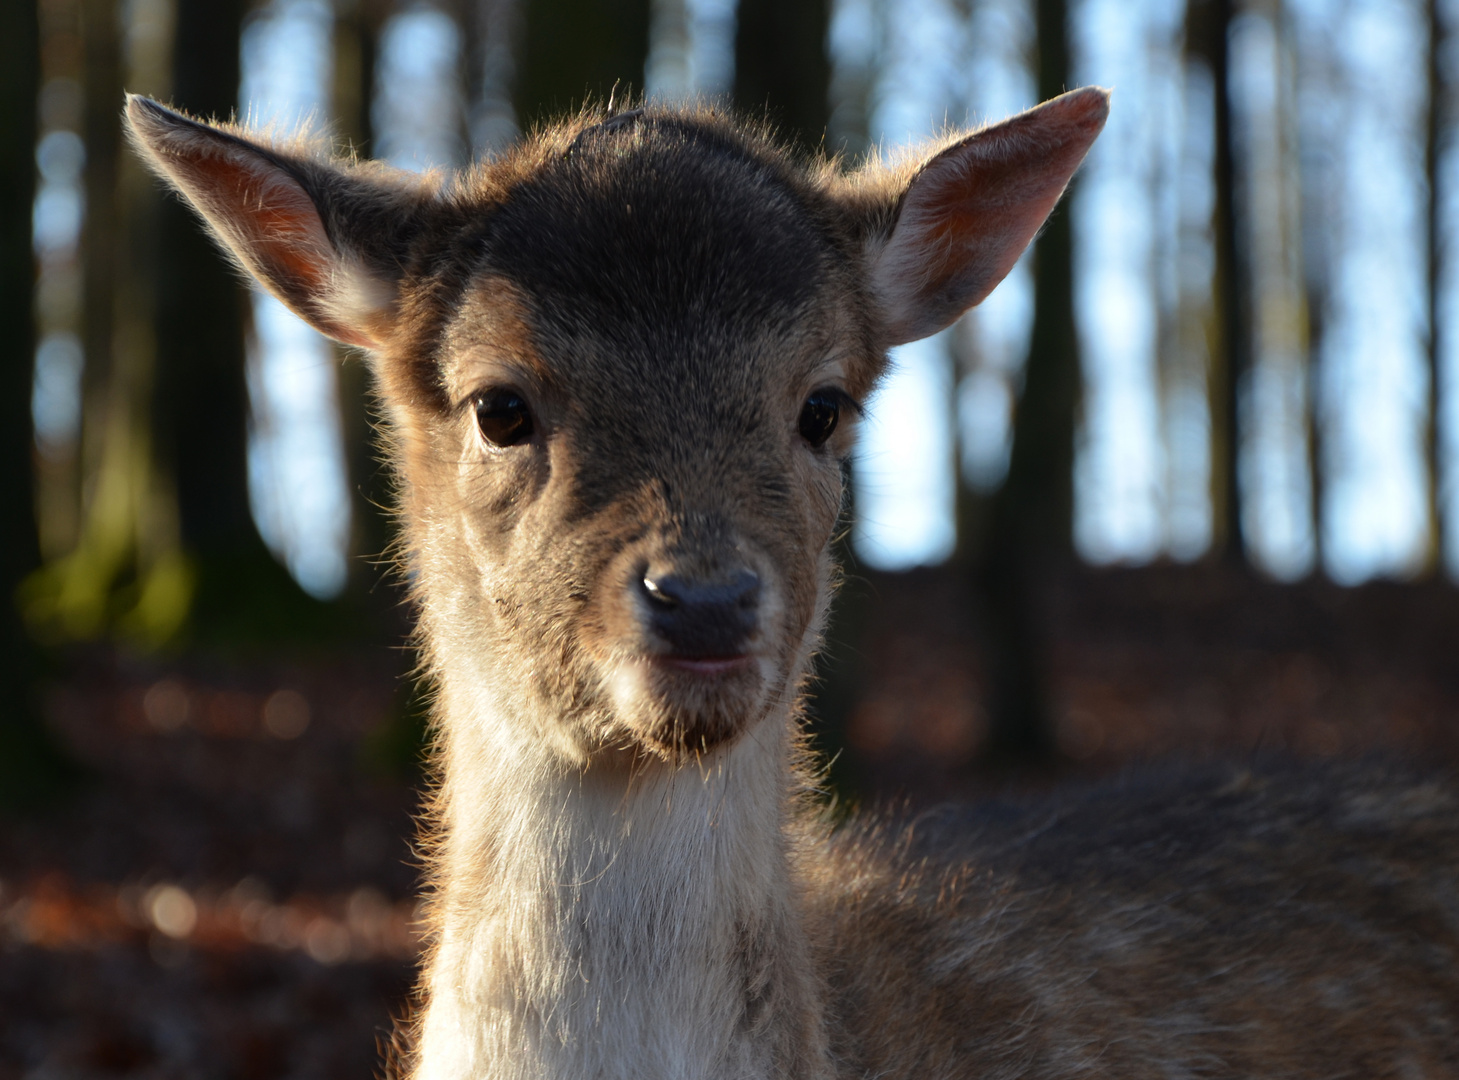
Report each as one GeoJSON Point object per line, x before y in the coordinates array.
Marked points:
{"type": "Point", "coordinates": [702, 619]}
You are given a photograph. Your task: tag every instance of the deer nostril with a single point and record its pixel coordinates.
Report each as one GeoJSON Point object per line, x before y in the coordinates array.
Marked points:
{"type": "Point", "coordinates": [658, 591]}
{"type": "Point", "coordinates": [674, 590]}
{"type": "Point", "coordinates": [703, 618]}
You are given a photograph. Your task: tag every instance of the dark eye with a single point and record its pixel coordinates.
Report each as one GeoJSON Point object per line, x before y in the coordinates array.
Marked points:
{"type": "Point", "coordinates": [503, 417]}
{"type": "Point", "coordinates": [818, 416]}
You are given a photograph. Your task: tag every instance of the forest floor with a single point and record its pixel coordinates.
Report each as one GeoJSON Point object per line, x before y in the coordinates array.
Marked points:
{"type": "Point", "coordinates": [229, 891]}
{"type": "Point", "coordinates": [1150, 664]}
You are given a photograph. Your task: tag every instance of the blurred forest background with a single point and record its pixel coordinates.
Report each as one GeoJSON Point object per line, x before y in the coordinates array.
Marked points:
{"type": "Point", "coordinates": [1188, 482]}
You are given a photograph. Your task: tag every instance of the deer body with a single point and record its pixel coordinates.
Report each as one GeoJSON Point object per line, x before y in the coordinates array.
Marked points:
{"type": "Point", "coordinates": [621, 366]}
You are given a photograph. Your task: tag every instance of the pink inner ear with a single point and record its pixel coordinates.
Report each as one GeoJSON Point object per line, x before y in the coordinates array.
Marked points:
{"type": "Point", "coordinates": [275, 224]}
{"type": "Point", "coordinates": [970, 212]}
{"type": "Point", "coordinates": [974, 231]}
{"type": "Point", "coordinates": [278, 226]}
{"type": "Point", "coordinates": [274, 227]}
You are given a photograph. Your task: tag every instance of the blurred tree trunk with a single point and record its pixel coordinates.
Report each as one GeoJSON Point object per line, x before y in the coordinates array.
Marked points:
{"type": "Point", "coordinates": [103, 87]}
{"type": "Point", "coordinates": [19, 547]}
{"type": "Point", "coordinates": [1209, 27]}
{"type": "Point", "coordinates": [781, 66]}
{"type": "Point", "coordinates": [1317, 285]}
{"type": "Point", "coordinates": [357, 26]}
{"type": "Point", "coordinates": [576, 49]}
{"type": "Point", "coordinates": [26, 761]}
{"type": "Point", "coordinates": [127, 573]}
{"type": "Point", "coordinates": [356, 44]}
{"type": "Point", "coordinates": [1318, 216]}
{"type": "Point", "coordinates": [84, 579]}
{"type": "Point", "coordinates": [852, 88]}
{"type": "Point", "coordinates": [1030, 525]}
{"type": "Point", "coordinates": [493, 39]}
{"type": "Point", "coordinates": [1434, 146]}
{"type": "Point", "coordinates": [200, 404]}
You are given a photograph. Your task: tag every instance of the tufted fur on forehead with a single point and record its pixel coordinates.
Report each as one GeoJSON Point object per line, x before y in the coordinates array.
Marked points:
{"type": "Point", "coordinates": [660, 229]}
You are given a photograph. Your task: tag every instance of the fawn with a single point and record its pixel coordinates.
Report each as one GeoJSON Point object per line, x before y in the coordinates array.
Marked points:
{"type": "Point", "coordinates": [621, 366]}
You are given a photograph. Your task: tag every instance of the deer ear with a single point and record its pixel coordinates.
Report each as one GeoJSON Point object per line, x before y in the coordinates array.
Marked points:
{"type": "Point", "coordinates": [326, 240]}
{"type": "Point", "coordinates": [969, 211]}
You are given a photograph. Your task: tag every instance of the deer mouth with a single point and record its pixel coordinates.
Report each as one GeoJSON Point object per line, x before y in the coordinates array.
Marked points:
{"type": "Point", "coordinates": [706, 667]}
{"type": "Point", "coordinates": [681, 703]}
{"type": "Point", "coordinates": [718, 683]}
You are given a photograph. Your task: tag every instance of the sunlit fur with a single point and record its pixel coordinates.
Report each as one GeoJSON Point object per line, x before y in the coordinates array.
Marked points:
{"type": "Point", "coordinates": [627, 879]}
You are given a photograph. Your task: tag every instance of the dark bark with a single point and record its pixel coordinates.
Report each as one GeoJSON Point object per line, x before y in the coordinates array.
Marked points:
{"type": "Point", "coordinates": [1031, 517]}
{"type": "Point", "coordinates": [781, 67]}
{"type": "Point", "coordinates": [19, 549]}
{"type": "Point", "coordinates": [27, 764]}
{"type": "Point", "coordinates": [576, 49]}
{"type": "Point", "coordinates": [1433, 152]}
{"type": "Point", "coordinates": [102, 135]}
{"type": "Point", "coordinates": [199, 399]}
{"type": "Point", "coordinates": [200, 407]}
{"type": "Point", "coordinates": [1231, 356]}
{"type": "Point", "coordinates": [357, 34]}
{"type": "Point", "coordinates": [357, 26]}
{"type": "Point", "coordinates": [1318, 213]}
{"type": "Point", "coordinates": [200, 396]}
{"type": "Point", "coordinates": [1317, 287]}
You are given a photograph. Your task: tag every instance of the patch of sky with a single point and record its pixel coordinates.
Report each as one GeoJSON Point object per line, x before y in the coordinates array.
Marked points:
{"type": "Point", "coordinates": [297, 479]}
{"type": "Point", "coordinates": [1119, 468]}
{"type": "Point", "coordinates": [1275, 477]}
{"type": "Point", "coordinates": [691, 49]}
{"type": "Point", "coordinates": [904, 462]}
{"type": "Point", "coordinates": [940, 66]}
{"type": "Point", "coordinates": [55, 395]}
{"type": "Point", "coordinates": [1373, 383]}
{"type": "Point", "coordinates": [1188, 448]}
{"type": "Point", "coordinates": [287, 64]}
{"type": "Point", "coordinates": [998, 82]}
{"type": "Point", "coordinates": [1187, 412]}
{"type": "Point", "coordinates": [60, 201]}
{"type": "Point", "coordinates": [419, 100]}
{"type": "Point", "coordinates": [984, 417]}
{"type": "Point", "coordinates": [851, 42]}
{"type": "Point", "coordinates": [57, 216]}
{"type": "Point", "coordinates": [297, 475]}
{"type": "Point", "coordinates": [493, 119]}
{"type": "Point", "coordinates": [904, 467]}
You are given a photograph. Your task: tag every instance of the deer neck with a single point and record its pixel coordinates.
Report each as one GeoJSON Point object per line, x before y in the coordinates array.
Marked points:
{"type": "Point", "coordinates": [615, 923]}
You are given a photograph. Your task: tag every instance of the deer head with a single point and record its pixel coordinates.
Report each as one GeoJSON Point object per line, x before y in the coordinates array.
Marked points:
{"type": "Point", "coordinates": [621, 367]}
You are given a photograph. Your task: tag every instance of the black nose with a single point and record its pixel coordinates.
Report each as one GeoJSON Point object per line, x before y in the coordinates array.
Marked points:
{"type": "Point", "coordinates": [703, 618]}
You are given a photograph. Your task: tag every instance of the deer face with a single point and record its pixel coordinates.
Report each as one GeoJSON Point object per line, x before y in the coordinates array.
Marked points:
{"type": "Point", "coordinates": [622, 367]}
{"type": "Point", "coordinates": [649, 384]}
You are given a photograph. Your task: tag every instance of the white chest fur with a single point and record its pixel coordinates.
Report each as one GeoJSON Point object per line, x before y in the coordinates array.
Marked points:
{"type": "Point", "coordinates": [601, 925]}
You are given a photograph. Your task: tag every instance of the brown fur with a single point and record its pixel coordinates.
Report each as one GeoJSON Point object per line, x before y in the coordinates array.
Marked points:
{"type": "Point", "coordinates": [627, 879]}
{"type": "Point", "coordinates": [1232, 921]}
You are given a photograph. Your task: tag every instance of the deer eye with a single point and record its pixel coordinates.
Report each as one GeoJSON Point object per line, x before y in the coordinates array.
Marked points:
{"type": "Point", "coordinates": [818, 416]}
{"type": "Point", "coordinates": [503, 417]}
